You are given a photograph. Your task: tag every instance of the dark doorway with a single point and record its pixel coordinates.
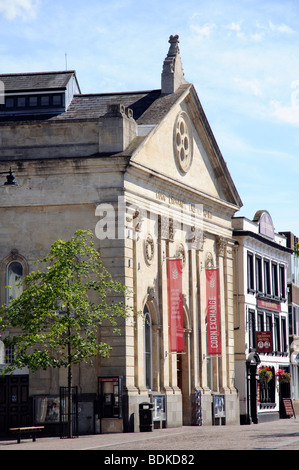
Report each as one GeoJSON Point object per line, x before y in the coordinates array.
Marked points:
{"type": "Point", "coordinates": [15, 409]}
{"type": "Point", "coordinates": [251, 366]}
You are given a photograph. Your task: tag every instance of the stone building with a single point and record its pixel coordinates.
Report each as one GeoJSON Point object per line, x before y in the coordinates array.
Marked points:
{"type": "Point", "coordinates": [144, 171]}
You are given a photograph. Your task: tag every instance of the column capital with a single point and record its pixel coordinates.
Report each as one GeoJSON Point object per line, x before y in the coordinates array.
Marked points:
{"type": "Point", "coordinates": [221, 245]}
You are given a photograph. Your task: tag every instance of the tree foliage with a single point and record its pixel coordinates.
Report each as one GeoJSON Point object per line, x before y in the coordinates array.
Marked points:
{"type": "Point", "coordinates": [55, 321]}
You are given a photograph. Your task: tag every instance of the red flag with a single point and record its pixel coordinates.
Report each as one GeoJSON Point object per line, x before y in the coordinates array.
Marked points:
{"type": "Point", "coordinates": [175, 302]}
{"type": "Point", "coordinates": [213, 323]}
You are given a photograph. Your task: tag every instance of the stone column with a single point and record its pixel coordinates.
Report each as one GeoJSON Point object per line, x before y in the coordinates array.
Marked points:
{"type": "Point", "coordinates": [221, 244]}
{"type": "Point", "coordinates": [163, 254]}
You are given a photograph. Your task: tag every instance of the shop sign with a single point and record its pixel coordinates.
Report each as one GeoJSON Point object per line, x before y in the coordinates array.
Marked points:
{"type": "Point", "coordinates": [263, 341]}
{"type": "Point", "coordinates": [267, 304]}
{"type": "Point", "coordinates": [175, 301]}
{"type": "Point", "coordinates": [213, 323]}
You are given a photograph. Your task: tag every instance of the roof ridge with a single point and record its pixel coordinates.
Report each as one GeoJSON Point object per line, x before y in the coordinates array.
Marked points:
{"type": "Point", "coordinates": [139, 92]}
{"type": "Point", "coordinates": [36, 73]}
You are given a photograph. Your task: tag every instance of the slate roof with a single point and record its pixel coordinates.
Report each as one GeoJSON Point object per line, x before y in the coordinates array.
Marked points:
{"type": "Point", "coordinates": [148, 106]}
{"type": "Point", "coordinates": [93, 106]}
{"type": "Point", "coordinates": [22, 82]}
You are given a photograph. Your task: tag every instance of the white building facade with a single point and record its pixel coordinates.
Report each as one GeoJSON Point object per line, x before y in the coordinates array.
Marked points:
{"type": "Point", "coordinates": [261, 316]}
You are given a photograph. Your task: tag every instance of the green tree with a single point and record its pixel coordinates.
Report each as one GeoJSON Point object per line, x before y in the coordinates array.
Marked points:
{"type": "Point", "coordinates": [56, 319]}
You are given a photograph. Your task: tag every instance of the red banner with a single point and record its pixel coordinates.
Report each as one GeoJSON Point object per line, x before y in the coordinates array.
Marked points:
{"type": "Point", "coordinates": [175, 302]}
{"type": "Point", "coordinates": [213, 323]}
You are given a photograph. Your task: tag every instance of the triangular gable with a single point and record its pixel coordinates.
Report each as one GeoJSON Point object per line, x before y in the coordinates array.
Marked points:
{"type": "Point", "coordinates": [179, 144]}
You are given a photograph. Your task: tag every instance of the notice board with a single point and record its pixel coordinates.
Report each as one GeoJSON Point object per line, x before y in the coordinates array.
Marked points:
{"type": "Point", "coordinates": [289, 408]}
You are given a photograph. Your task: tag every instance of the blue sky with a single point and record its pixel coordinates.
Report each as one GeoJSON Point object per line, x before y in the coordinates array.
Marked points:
{"type": "Point", "coordinates": [242, 56]}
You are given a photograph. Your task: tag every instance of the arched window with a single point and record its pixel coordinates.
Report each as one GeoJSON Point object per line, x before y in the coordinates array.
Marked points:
{"type": "Point", "coordinates": [14, 276]}
{"type": "Point", "coordinates": [148, 347]}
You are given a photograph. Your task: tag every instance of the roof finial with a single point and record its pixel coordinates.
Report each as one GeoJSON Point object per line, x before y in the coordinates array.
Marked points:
{"type": "Point", "coordinates": [172, 74]}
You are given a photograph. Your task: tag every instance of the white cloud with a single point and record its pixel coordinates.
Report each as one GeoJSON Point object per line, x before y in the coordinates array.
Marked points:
{"type": "Point", "coordinates": [288, 114]}
{"type": "Point", "coordinates": [249, 85]}
{"type": "Point", "coordinates": [282, 28]}
{"type": "Point", "coordinates": [205, 30]}
{"type": "Point", "coordinates": [14, 8]}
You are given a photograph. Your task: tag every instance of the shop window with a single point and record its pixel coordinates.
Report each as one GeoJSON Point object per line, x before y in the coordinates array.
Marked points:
{"type": "Point", "coordinates": [267, 390]}
{"type": "Point", "coordinates": [147, 347]}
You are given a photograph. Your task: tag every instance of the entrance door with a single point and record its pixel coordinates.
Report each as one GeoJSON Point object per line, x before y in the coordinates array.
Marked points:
{"type": "Point", "coordinates": [253, 393]}
{"type": "Point", "coordinates": [184, 382]}
{"type": "Point", "coordinates": [14, 402]}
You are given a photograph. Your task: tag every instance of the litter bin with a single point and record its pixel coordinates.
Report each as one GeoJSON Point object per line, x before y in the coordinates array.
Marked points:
{"type": "Point", "coordinates": [145, 417]}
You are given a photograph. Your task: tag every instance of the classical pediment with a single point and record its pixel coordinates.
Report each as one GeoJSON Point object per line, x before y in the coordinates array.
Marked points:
{"type": "Point", "coordinates": [178, 144]}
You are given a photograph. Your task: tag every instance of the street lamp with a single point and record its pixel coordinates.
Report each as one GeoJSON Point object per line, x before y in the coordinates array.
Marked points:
{"type": "Point", "coordinates": [10, 178]}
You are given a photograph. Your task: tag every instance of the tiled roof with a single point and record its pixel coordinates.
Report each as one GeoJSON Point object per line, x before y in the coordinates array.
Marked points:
{"type": "Point", "coordinates": [94, 106]}
{"type": "Point", "coordinates": [18, 82]}
{"type": "Point", "coordinates": [148, 107]}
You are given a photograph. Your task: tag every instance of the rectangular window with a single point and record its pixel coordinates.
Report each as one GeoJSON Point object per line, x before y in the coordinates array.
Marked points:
{"type": "Point", "coordinates": [269, 327]}
{"type": "Point", "coordinates": [276, 333]}
{"type": "Point", "coordinates": [275, 280]}
{"type": "Point", "coordinates": [292, 324]}
{"type": "Point", "coordinates": [260, 321]}
{"type": "Point", "coordinates": [56, 100]}
{"type": "Point", "coordinates": [21, 102]}
{"type": "Point", "coordinates": [259, 274]}
{"type": "Point", "coordinates": [284, 334]}
{"type": "Point", "coordinates": [282, 282]}
{"type": "Point", "coordinates": [33, 101]}
{"type": "Point", "coordinates": [9, 102]}
{"type": "Point", "coordinates": [250, 272]}
{"type": "Point", "coordinates": [45, 100]}
{"type": "Point", "coordinates": [252, 330]}
{"type": "Point", "coordinates": [267, 278]}
{"type": "Point", "coordinates": [268, 322]}
{"type": "Point", "coordinates": [9, 354]}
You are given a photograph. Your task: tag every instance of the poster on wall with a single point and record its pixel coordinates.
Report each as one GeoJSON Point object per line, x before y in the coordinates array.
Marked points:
{"type": "Point", "coordinates": [175, 302]}
{"type": "Point", "coordinates": [213, 322]}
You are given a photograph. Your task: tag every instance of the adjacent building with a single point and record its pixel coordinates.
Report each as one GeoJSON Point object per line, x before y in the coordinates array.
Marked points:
{"type": "Point", "coordinates": [144, 171]}
{"type": "Point", "coordinates": [293, 303]}
{"type": "Point", "coordinates": [262, 258]}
